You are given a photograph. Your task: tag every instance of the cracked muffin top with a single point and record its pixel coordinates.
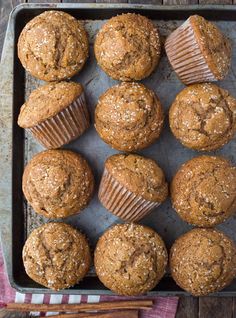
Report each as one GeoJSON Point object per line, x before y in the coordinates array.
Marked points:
{"type": "Point", "coordinates": [203, 261]}
{"type": "Point", "coordinates": [56, 256]}
{"type": "Point", "coordinates": [140, 175]}
{"type": "Point", "coordinates": [47, 101]}
{"type": "Point", "coordinates": [214, 45]}
{"type": "Point", "coordinates": [53, 46]}
{"type": "Point", "coordinates": [58, 183]}
{"type": "Point", "coordinates": [203, 191]}
{"type": "Point", "coordinates": [203, 117]}
{"type": "Point", "coordinates": [130, 259]}
{"type": "Point", "coordinates": [129, 116]}
{"type": "Point", "coordinates": [128, 47]}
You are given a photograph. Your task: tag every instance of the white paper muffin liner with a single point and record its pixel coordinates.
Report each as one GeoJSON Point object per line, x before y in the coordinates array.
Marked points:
{"type": "Point", "coordinates": [122, 202]}
{"type": "Point", "coordinates": [65, 126]}
{"type": "Point", "coordinates": [186, 57]}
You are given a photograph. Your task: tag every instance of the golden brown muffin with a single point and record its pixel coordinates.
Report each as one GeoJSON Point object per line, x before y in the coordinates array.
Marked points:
{"type": "Point", "coordinates": [129, 117]}
{"type": "Point", "coordinates": [128, 47]}
{"type": "Point", "coordinates": [55, 113]}
{"type": "Point", "coordinates": [203, 191]}
{"type": "Point", "coordinates": [203, 261]}
{"type": "Point", "coordinates": [53, 46]}
{"type": "Point", "coordinates": [130, 259]}
{"type": "Point", "coordinates": [203, 117]}
{"type": "Point", "coordinates": [132, 186]}
{"type": "Point", "coordinates": [58, 183]}
{"type": "Point", "coordinates": [198, 51]}
{"type": "Point", "coordinates": [56, 256]}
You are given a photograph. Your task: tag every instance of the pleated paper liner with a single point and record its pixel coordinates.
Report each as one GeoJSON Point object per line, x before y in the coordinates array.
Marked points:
{"type": "Point", "coordinates": [185, 56]}
{"type": "Point", "coordinates": [68, 124]}
{"type": "Point", "coordinates": [122, 202]}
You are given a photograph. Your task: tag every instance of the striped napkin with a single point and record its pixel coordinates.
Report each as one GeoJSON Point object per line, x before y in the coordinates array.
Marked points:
{"type": "Point", "coordinates": [164, 307]}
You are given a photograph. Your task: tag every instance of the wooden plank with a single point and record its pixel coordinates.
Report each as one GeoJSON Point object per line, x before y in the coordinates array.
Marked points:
{"type": "Point", "coordinates": [146, 2]}
{"type": "Point", "coordinates": [76, 1]}
{"type": "Point", "coordinates": [111, 1]}
{"type": "Point", "coordinates": [187, 307]}
{"type": "Point", "coordinates": [217, 307]}
{"type": "Point", "coordinates": [215, 1]}
{"type": "Point", "coordinates": [44, 1]}
{"type": "Point", "coordinates": [174, 2]}
{"type": "Point", "coordinates": [5, 9]}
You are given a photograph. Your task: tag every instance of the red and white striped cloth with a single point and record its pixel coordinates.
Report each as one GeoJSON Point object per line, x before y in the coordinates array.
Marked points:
{"type": "Point", "coordinates": [164, 307]}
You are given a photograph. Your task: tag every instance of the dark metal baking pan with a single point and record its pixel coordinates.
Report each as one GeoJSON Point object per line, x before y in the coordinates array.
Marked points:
{"type": "Point", "coordinates": [17, 147]}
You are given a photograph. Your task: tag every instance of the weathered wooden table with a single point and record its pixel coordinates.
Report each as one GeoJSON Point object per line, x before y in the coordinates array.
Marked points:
{"type": "Point", "coordinates": [189, 307]}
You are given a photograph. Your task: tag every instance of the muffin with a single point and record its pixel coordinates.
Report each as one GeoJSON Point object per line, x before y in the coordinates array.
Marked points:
{"type": "Point", "coordinates": [198, 51]}
{"type": "Point", "coordinates": [203, 117]}
{"type": "Point", "coordinates": [58, 183]}
{"type": "Point", "coordinates": [128, 47]}
{"type": "Point", "coordinates": [203, 261]}
{"type": "Point", "coordinates": [130, 259]}
{"type": "Point", "coordinates": [129, 117]}
{"type": "Point", "coordinates": [53, 46]}
{"type": "Point", "coordinates": [55, 113]}
{"type": "Point", "coordinates": [203, 191]}
{"type": "Point", "coordinates": [132, 186]}
{"type": "Point", "coordinates": [56, 256]}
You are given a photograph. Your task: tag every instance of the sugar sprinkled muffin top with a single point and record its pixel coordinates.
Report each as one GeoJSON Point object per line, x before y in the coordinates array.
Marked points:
{"type": "Point", "coordinates": [56, 256]}
{"type": "Point", "coordinates": [129, 116]}
{"type": "Point", "coordinates": [53, 46]}
{"type": "Point", "coordinates": [203, 116]}
{"type": "Point", "coordinates": [127, 47]}
{"type": "Point", "coordinates": [140, 175]}
{"type": "Point", "coordinates": [130, 259]}
{"type": "Point", "coordinates": [58, 183]}
{"type": "Point", "coordinates": [203, 261]}
{"type": "Point", "coordinates": [47, 101]}
{"type": "Point", "coordinates": [215, 46]}
{"type": "Point", "coordinates": [203, 191]}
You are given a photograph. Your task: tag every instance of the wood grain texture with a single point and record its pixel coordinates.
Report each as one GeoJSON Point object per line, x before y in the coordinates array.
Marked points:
{"type": "Point", "coordinates": [174, 2]}
{"type": "Point", "coordinates": [217, 307]}
{"type": "Point", "coordinates": [146, 2]}
{"type": "Point", "coordinates": [111, 1]}
{"type": "Point", "coordinates": [215, 1]}
{"type": "Point", "coordinates": [76, 1]}
{"type": "Point", "coordinates": [187, 307]}
{"type": "Point", "coordinates": [44, 1]}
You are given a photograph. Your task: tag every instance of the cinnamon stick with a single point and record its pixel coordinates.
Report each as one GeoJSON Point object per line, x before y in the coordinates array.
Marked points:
{"type": "Point", "coordinates": [83, 307]}
{"type": "Point", "coordinates": [114, 314]}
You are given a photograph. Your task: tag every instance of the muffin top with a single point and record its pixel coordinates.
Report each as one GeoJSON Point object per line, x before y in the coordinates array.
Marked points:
{"type": "Point", "coordinates": [214, 45]}
{"type": "Point", "coordinates": [53, 46]}
{"type": "Point", "coordinates": [140, 175]}
{"type": "Point", "coordinates": [128, 47]}
{"type": "Point", "coordinates": [58, 183]}
{"type": "Point", "coordinates": [129, 116]}
{"type": "Point", "coordinates": [203, 261]}
{"type": "Point", "coordinates": [56, 256]}
{"type": "Point", "coordinates": [47, 101]}
{"type": "Point", "coordinates": [203, 116]}
{"type": "Point", "coordinates": [130, 259]}
{"type": "Point", "coordinates": [203, 191]}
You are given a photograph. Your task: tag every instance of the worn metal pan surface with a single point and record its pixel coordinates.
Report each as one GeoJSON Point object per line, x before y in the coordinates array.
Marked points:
{"type": "Point", "coordinates": [17, 147]}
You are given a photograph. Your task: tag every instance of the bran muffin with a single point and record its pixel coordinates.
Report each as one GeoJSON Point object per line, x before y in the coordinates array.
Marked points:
{"type": "Point", "coordinates": [129, 116]}
{"type": "Point", "coordinates": [203, 191]}
{"type": "Point", "coordinates": [53, 46]}
{"type": "Point", "coordinates": [58, 183]}
{"type": "Point", "coordinates": [55, 113]}
{"type": "Point", "coordinates": [130, 259]}
{"type": "Point", "coordinates": [128, 47]}
{"type": "Point", "coordinates": [203, 261]}
{"type": "Point", "coordinates": [56, 256]}
{"type": "Point", "coordinates": [198, 51]}
{"type": "Point", "coordinates": [131, 186]}
{"type": "Point", "coordinates": [203, 117]}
